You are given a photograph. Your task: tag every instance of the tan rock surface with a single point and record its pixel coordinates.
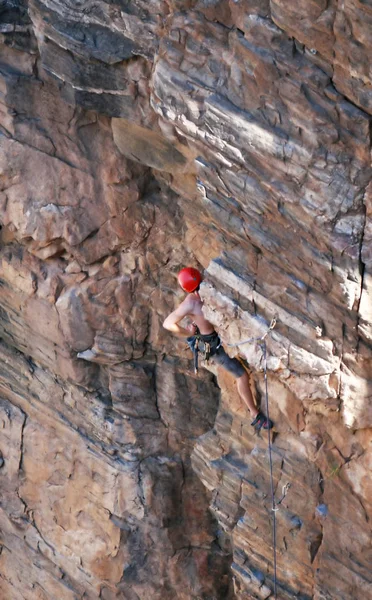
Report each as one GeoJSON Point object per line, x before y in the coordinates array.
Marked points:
{"type": "Point", "coordinates": [135, 138]}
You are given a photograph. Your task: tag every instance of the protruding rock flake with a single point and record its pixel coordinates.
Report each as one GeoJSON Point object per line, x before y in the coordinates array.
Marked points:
{"type": "Point", "coordinates": [138, 137]}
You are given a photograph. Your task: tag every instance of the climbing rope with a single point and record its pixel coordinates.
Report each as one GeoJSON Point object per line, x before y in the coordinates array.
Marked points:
{"type": "Point", "coordinates": [274, 505]}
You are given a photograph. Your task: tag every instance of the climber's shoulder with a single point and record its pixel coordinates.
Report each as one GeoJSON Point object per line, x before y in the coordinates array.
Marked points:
{"type": "Point", "coordinates": [188, 304]}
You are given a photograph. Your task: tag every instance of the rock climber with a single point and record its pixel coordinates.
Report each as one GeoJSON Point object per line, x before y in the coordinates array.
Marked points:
{"type": "Point", "coordinates": [204, 339]}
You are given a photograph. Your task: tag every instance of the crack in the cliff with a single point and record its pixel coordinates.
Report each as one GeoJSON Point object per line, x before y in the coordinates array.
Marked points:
{"type": "Point", "coordinates": [42, 538]}
{"type": "Point", "coordinates": [357, 497]}
{"type": "Point", "coordinates": [316, 544]}
{"type": "Point", "coordinates": [54, 156]}
{"type": "Point", "coordinates": [351, 457]}
{"type": "Point", "coordinates": [362, 268]}
{"type": "Point", "coordinates": [24, 504]}
{"type": "Point", "coordinates": [141, 493]}
{"type": "Point", "coordinates": [21, 445]}
{"type": "Point", "coordinates": [158, 409]}
{"type": "Point", "coordinates": [343, 338]}
{"type": "Point", "coordinates": [7, 579]}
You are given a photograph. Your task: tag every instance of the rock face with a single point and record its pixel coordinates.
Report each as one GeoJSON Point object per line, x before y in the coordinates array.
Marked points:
{"type": "Point", "coordinates": [135, 138]}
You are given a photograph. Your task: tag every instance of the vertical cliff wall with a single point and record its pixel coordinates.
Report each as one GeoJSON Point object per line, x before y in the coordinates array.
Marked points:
{"type": "Point", "coordinates": [138, 137]}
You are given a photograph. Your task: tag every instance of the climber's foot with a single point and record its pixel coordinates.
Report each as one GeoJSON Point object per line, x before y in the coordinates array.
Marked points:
{"type": "Point", "coordinates": [262, 422]}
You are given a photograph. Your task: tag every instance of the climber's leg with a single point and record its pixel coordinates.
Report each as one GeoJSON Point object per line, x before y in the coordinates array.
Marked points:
{"type": "Point", "coordinates": [244, 389]}
{"type": "Point", "coordinates": [235, 367]}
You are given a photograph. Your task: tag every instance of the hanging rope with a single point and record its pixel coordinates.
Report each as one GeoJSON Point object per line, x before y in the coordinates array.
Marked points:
{"type": "Point", "coordinates": [274, 505]}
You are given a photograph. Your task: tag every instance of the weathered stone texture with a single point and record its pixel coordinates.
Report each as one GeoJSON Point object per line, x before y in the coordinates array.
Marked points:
{"type": "Point", "coordinates": [135, 138]}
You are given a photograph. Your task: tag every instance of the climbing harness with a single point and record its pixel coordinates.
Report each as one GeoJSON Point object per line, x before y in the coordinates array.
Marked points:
{"type": "Point", "coordinates": [274, 504]}
{"type": "Point", "coordinates": [207, 345]}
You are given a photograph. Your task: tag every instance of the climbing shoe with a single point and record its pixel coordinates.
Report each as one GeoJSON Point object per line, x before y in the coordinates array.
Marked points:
{"type": "Point", "coordinates": [262, 422]}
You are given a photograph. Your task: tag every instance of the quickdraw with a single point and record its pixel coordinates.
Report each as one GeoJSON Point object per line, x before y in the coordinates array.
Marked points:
{"type": "Point", "coordinates": [256, 339]}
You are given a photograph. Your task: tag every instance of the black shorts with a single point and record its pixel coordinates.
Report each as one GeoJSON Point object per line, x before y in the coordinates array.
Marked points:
{"type": "Point", "coordinates": [233, 365]}
{"type": "Point", "coordinates": [218, 355]}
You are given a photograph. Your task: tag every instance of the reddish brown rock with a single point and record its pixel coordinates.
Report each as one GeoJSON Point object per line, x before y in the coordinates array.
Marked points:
{"type": "Point", "coordinates": [352, 52]}
{"type": "Point", "coordinates": [309, 22]}
{"type": "Point", "coordinates": [136, 138]}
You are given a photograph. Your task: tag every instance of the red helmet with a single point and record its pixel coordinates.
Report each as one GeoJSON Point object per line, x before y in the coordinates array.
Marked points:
{"type": "Point", "coordinates": [189, 279]}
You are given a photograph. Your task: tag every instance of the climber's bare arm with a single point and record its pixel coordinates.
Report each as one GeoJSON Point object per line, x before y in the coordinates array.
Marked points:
{"type": "Point", "coordinates": [172, 321]}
